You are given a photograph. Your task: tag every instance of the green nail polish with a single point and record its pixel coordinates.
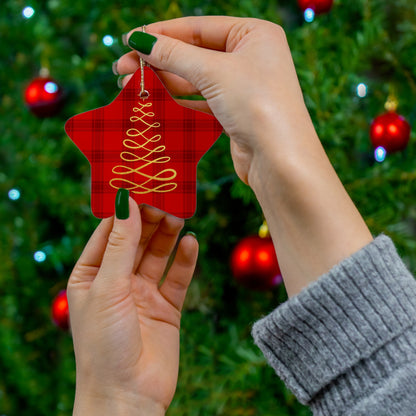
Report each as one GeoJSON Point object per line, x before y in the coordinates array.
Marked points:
{"type": "Point", "coordinates": [114, 67]}
{"type": "Point", "coordinates": [120, 81]}
{"type": "Point", "coordinates": [122, 204]}
{"type": "Point", "coordinates": [191, 233]}
{"type": "Point", "coordinates": [142, 42]}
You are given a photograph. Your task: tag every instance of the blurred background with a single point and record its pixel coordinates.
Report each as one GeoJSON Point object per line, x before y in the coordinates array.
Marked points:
{"type": "Point", "coordinates": [356, 62]}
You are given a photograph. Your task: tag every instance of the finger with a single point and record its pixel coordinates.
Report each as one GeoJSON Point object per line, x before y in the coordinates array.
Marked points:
{"type": "Point", "coordinates": [176, 85]}
{"type": "Point", "coordinates": [151, 218]}
{"type": "Point", "coordinates": [129, 63]}
{"type": "Point", "coordinates": [94, 250]}
{"type": "Point", "coordinates": [198, 105]}
{"type": "Point", "coordinates": [120, 252]}
{"type": "Point", "coordinates": [123, 80]}
{"type": "Point", "coordinates": [87, 266]}
{"type": "Point", "coordinates": [180, 274]}
{"type": "Point", "coordinates": [168, 54]}
{"type": "Point", "coordinates": [159, 248]}
{"type": "Point", "coordinates": [209, 32]}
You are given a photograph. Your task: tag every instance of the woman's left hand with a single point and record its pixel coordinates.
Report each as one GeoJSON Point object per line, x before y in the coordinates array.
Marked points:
{"type": "Point", "coordinates": [125, 321]}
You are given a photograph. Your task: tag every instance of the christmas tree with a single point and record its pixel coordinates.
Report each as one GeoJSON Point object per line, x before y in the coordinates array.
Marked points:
{"type": "Point", "coordinates": [350, 60]}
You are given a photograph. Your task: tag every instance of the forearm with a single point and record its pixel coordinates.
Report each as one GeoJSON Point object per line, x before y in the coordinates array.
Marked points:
{"type": "Point", "coordinates": [312, 220]}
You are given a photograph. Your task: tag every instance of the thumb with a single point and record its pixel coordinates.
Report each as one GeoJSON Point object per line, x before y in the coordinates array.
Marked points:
{"type": "Point", "coordinates": [123, 240]}
{"type": "Point", "coordinates": [173, 55]}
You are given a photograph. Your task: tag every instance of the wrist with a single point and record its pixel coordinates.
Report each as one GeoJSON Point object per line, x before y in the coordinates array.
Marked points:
{"type": "Point", "coordinates": [115, 404]}
{"type": "Point", "coordinates": [283, 152]}
{"type": "Point", "coordinates": [311, 218]}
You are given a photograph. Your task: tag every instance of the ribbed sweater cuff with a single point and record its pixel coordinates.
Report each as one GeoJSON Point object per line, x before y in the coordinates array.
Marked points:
{"type": "Point", "coordinates": [343, 328]}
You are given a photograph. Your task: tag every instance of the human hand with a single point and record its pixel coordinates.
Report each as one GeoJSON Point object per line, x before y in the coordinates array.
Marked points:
{"type": "Point", "coordinates": [244, 70]}
{"type": "Point", "coordinates": [124, 321]}
{"type": "Point", "coordinates": [252, 89]}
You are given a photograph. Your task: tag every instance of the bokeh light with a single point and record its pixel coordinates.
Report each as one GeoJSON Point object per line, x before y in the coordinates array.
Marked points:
{"type": "Point", "coordinates": [362, 90]}
{"type": "Point", "coordinates": [309, 15]}
{"type": "Point", "coordinates": [40, 256]}
{"type": "Point", "coordinates": [51, 87]}
{"type": "Point", "coordinates": [28, 12]}
{"type": "Point", "coordinates": [108, 40]}
{"type": "Point", "coordinates": [14, 194]}
{"type": "Point", "coordinates": [380, 154]}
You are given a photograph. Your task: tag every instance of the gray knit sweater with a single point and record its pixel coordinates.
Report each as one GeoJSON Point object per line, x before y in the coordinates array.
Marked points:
{"type": "Point", "coordinates": [346, 345]}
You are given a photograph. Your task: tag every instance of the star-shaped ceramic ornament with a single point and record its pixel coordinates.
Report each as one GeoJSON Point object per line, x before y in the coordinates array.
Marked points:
{"type": "Point", "coordinates": [150, 146]}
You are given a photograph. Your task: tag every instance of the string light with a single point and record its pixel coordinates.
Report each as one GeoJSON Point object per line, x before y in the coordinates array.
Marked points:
{"type": "Point", "coordinates": [362, 90]}
{"type": "Point", "coordinates": [14, 194]}
{"type": "Point", "coordinates": [309, 15]}
{"type": "Point", "coordinates": [28, 12]}
{"type": "Point", "coordinates": [51, 87]}
{"type": "Point", "coordinates": [380, 154]}
{"type": "Point", "coordinates": [40, 256]}
{"type": "Point", "coordinates": [108, 40]}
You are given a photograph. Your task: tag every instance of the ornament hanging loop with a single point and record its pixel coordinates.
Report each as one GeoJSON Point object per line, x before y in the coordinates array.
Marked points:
{"type": "Point", "coordinates": [391, 103]}
{"type": "Point", "coordinates": [264, 230]}
{"type": "Point", "coordinates": [144, 94]}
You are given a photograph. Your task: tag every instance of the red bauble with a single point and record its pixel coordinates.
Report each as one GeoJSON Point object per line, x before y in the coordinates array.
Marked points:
{"type": "Point", "coordinates": [44, 97]}
{"type": "Point", "coordinates": [254, 263]}
{"type": "Point", "coordinates": [391, 131]}
{"type": "Point", "coordinates": [60, 311]}
{"type": "Point", "coordinates": [318, 6]}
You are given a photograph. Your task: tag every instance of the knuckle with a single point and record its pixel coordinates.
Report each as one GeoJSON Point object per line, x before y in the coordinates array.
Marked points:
{"type": "Point", "coordinates": [197, 36]}
{"type": "Point", "coordinates": [167, 54]}
{"type": "Point", "coordinates": [278, 32]}
{"type": "Point", "coordinates": [178, 285]}
{"type": "Point", "coordinates": [116, 240]}
{"type": "Point", "coordinates": [272, 28]}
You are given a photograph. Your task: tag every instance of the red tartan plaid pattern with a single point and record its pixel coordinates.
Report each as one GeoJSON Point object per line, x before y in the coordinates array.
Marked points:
{"type": "Point", "coordinates": [185, 136]}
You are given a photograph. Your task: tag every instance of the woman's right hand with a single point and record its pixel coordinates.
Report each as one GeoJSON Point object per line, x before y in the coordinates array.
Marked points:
{"type": "Point", "coordinates": [244, 70]}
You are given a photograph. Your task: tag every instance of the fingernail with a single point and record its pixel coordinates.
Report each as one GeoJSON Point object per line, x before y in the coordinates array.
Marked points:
{"type": "Point", "coordinates": [122, 204]}
{"type": "Point", "coordinates": [114, 67]}
{"type": "Point", "coordinates": [124, 39]}
{"type": "Point", "coordinates": [120, 81]}
{"type": "Point", "coordinates": [191, 233]}
{"type": "Point", "coordinates": [142, 42]}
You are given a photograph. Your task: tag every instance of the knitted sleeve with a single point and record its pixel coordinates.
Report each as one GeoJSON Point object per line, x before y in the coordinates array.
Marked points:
{"type": "Point", "coordinates": [346, 345]}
